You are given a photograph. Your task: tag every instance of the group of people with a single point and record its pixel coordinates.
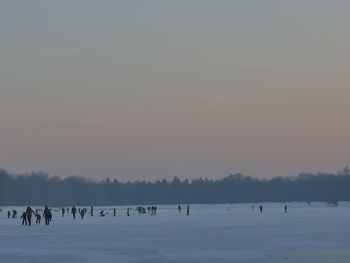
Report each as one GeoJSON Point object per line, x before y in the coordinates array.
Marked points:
{"type": "Point", "coordinates": [28, 214]}
{"type": "Point", "coordinates": [47, 213]}
{"type": "Point", "coordinates": [187, 210]}
{"type": "Point", "coordinates": [261, 208]}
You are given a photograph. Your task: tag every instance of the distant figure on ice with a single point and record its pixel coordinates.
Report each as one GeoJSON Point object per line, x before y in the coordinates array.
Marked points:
{"type": "Point", "coordinates": [91, 211]}
{"type": "Point", "coordinates": [82, 213]}
{"type": "Point", "coordinates": [50, 215]}
{"type": "Point", "coordinates": [63, 210]}
{"type": "Point", "coordinates": [46, 215]}
{"type": "Point", "coordinates": [179, 208]}
{"type": "Point", "coordinates": [74, 211]}
{"type": "Point", "coordinates": [153, 210]}
{"type": "Point", "coordinates": [188, 210]}
{"type": "Point", "coordinates": [285, 208]}
{"type": "Point", "coordinates": [261, 209]}
{"type": "Point", "coordinates": [24, 218]}
{"type": "Point", "coordinates": [148, 209]}
{"type": "Point", "coordinates": [29, 213]}
{"type": "Point", "coordinates": [252, 207]}
{"type": "Point", "coordinates": [14, 213]}
{"type": "Point", "coordinates": [102, 213]}
{"type": "Point", "coordinates": [114, 211]}
{"type": "Point", "coordinates": [38, 218]}
{"type": "Point", "coordinates": [127, 212]}
{"type": "Point", "coordinates": [8, 214]}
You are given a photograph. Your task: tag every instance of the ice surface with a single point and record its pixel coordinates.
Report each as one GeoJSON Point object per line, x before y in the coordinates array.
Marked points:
{"type": "Point", "coordinates": [212, 233]}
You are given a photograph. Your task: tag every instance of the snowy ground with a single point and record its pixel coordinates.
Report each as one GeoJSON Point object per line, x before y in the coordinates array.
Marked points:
{"type": "Point", "coordinates": [212, 233]}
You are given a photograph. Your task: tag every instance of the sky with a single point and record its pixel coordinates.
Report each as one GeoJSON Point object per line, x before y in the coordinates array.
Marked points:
{"type": "Point", "coordinates": [146, 90]}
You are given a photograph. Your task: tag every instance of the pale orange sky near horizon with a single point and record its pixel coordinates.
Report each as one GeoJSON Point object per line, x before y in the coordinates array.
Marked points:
{"type": "Point", "coordinates": [144, 91]}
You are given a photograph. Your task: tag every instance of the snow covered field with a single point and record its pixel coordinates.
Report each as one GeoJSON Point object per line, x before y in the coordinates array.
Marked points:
{"type": "Point", "coordinates": [212, 233]}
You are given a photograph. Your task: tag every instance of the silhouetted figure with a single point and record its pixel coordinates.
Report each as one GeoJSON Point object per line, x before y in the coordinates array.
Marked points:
{"type": "Point", "coordinates": [46, 215]}
{"type": "Point", "coordinates": [285, 208]}
{"type": "Point", "coordinates": [50, 215]}
{"type": "Point", "coordinates": [148, 209]}
{"type": "Point", "coordinates": [261, 209]}
{"type": "Point", "coordinates": [188, 210]}
{"type": "Point", "coordinates": [252, 207]}
{"type": "Point", "coordinates": [63, 210]}
{"type": "Point", "coordinates": [82, 213]}
{"type": "Point", "coordinates": [74, 211]}
{"type": "Point", "coordinates": [91, 211]}
{"type": "Point", "coordinates": [102, 213]}
{"type": "Point", "coordinates": [24, 218]}
{"type": "Point", "coordinates": [38, 218]}
{"type": "Point", "coordinates": [14, 213]}
{"type": "Point", "coordinates": [29, 213]}
{"type": "Point", "coordinates": [8, 214]}
{"type": "Point", "coordinates": [127, 212]}
{"type": "Point", "coordinates": [179, 208]}
{"type": "Point", "coordinates": [114, 211]}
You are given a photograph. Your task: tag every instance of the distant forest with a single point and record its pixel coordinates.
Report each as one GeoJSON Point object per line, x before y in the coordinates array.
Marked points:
{"type": "Point", "coordinates": [41, 189]}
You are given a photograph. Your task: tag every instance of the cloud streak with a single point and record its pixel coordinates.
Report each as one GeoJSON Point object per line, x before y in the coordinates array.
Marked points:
{"type": "Point", "coordinates": [60, 51]}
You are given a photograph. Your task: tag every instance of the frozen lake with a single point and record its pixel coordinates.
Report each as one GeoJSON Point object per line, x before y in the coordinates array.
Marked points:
{"type": "Point", "coordinates": [212, 233]}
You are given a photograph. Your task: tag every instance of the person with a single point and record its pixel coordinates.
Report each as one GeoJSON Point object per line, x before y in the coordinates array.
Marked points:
{"type": "Point", "coordinates": [261, 209]}
{"type": "Point", "coordinates": [179, 208]}
{"type": "Point", "coordinates": [38, 218]}
{"type": "Point", "coordinates": [114, 211]}
{"type": "Point", "coordinates": [82, 213]}
{"type": "Point", "coordinates": [14, 213]}
{"type": "Point", "coordinates": [188, 210]}
{"type": "Point", "coordinates": [50, 215]}
{"type": "Point", "coordinates": [74, 210]}
{"type": "Point", "coordinates": [46, 215]}
{"type": "Point", "coordinates": [29, 213]}
{"type": "Point", "coordinates": [8, 214]}
{"type": "Point", "coordinates": [252, 207]}
{"type": "Point", "coordinates": [102, 213]}
{"type": "Point", "coordinates": [63, 210]}
{"type": "Point", "coordinates": [127, 212]}
{"type": "Point", "coordinates": [24, 218]}
{"type": "Point", "coordinates": [92, 211]}
{"type": "Point", "coordinates": [155, 210]}
{"type": "Point", "coordinates": [285, 208]}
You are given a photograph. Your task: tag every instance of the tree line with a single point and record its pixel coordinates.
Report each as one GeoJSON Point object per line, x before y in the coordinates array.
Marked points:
{"type": "Point", "coordinates": [41, 189]}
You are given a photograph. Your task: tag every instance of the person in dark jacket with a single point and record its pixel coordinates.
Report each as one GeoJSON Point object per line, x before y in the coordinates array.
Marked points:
{"type": "Point", "coordinates": [46, 215]}
{"type": "Point", "coordinates": [74, 211]}
{"type": "Point", "coordinates": [24, 218]}
{"type": "Point", "coordinates": [29, 213]}
{"type": "Point", "coordinates": [8, 214]}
